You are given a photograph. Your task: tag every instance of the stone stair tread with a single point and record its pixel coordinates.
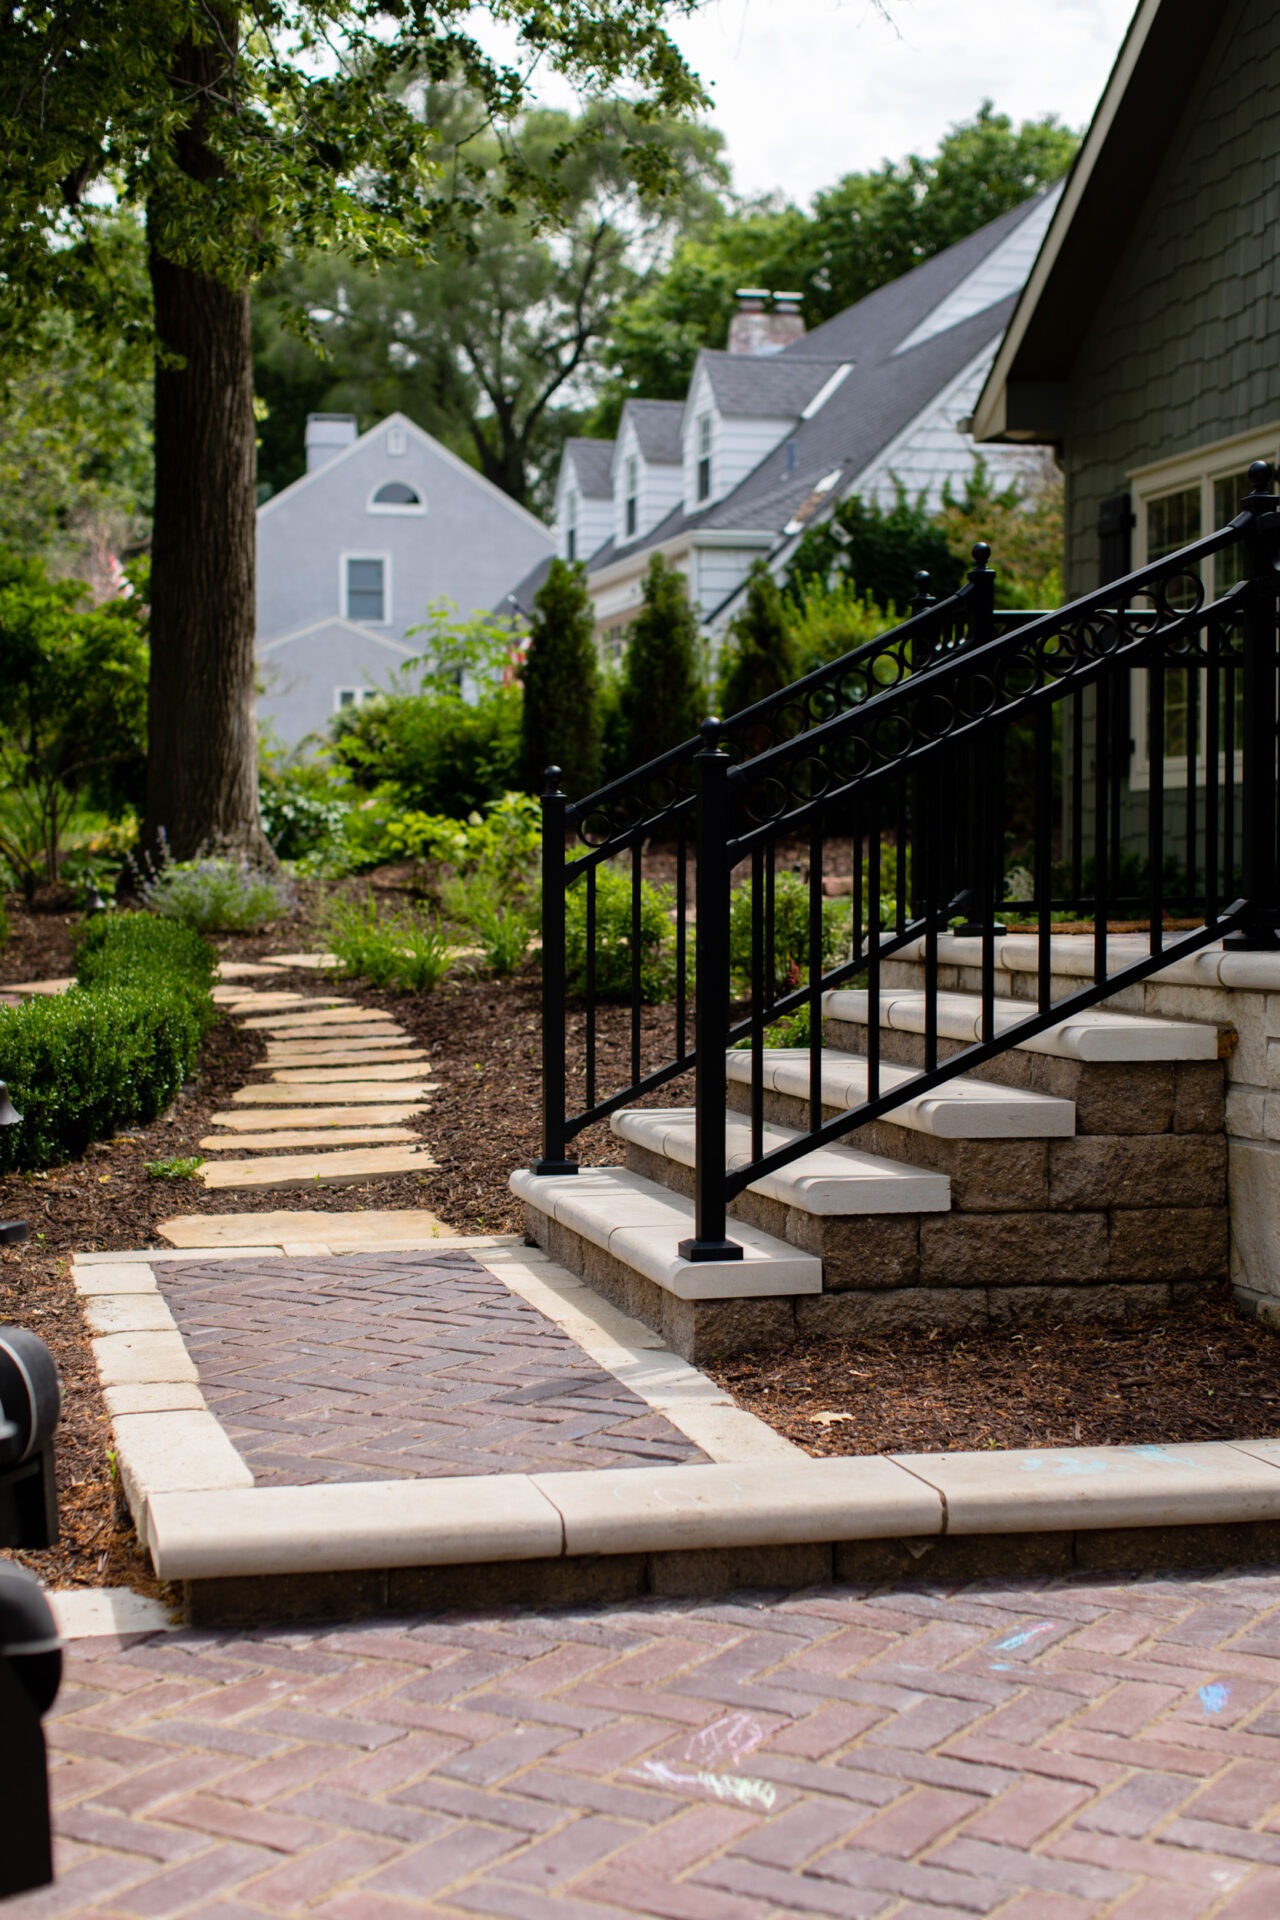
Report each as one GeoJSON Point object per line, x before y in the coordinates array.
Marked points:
{"type": "Point", "coordinates": [340, 1167]}
{"type": "Point", "coordinates": [961, 1109]}
{"type": "Point", "coordinates": [336, 1076]}
{"type": "Point", "coordinates": [830, 1180]}
{"type": "Point", "coordinates": [1096, 1034]}
{"type": "Point", "coordinates": [640, 1223]}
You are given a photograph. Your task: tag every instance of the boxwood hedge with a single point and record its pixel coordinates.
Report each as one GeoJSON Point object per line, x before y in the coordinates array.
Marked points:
{"type": "Point", "coordinates": [115, 1048]}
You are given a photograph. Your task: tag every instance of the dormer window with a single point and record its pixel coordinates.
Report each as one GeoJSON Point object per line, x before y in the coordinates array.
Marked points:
{"type": "Point", "coordinates": [631, 506]}
{"type": "Point", "coordinates": [396, 496]}
{"type": "Point", "coordinates": [705, 456]}
{"type": "Point", "coordinates": [571, 526]}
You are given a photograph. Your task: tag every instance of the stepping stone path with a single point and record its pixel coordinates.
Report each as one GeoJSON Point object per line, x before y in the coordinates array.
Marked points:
{"type": "Point", "coordinates": [361, 1058]}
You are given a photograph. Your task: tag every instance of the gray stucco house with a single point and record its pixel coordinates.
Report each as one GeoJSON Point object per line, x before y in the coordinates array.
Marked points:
{"type": "Point", "coordinates": [380, 527]}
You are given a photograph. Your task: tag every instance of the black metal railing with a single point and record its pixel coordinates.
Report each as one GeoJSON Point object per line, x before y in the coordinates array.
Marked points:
{"type": "Point", "coordinates": [1112, 760]}
{"type": "Point", "coordinates": [657, 803]}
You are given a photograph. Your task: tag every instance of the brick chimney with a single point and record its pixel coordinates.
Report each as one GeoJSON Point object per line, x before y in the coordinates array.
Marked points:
{"type": "Point", "coordinates": [761, 327]}
{"type": "Point", "coordinates": [327, 435]}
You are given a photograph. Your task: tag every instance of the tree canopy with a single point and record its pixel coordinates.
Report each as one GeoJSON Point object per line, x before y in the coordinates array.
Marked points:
{"type": "Point", "coordinates": [249, 132]}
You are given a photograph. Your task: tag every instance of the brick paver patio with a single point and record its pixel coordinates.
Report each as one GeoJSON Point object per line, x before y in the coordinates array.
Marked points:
{"type": "Point", "coordinates": [1037, 1751]}
{"type": "Point", "coordinates": [395, 1365]}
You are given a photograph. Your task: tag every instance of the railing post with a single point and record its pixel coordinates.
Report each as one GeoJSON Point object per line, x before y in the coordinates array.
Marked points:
{"type": "Point", "coordinates": [975, 779]}
{"type": "Point", "coordinates": [1258, 785]}
{"type": "Point", "coordinates": [554, 1145]}
{"type": "Point", "coordinates": [711, 989]}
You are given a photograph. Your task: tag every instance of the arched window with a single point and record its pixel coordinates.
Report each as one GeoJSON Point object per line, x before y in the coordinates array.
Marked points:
{"type": "Point", "coordinates": [397, 496]}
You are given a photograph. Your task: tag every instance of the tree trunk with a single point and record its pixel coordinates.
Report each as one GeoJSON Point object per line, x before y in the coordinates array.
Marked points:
{"type": "Point", "coordinates": [202, 771]}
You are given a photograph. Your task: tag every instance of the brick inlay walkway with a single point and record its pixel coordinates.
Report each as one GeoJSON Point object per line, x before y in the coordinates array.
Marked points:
{"type": "Point", "coordinates": [400, 1365]}
{"type": "Point", "coordinates": [1035, 1751]}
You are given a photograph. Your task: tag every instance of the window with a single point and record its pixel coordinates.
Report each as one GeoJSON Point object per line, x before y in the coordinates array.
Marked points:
{"type": "Point", "coordinates": [704, 456]}
{"type": "Point", "coordinates": [1175, 505]}
{"type": "Point", "coordinates": [395, 440]}
{"type": "Point", "coordinates": [631, 507]}
{"type": "Point", "coordinates": [366, 588]}
{"type": "Point", "coordinates": [571, 526]}
{"type": "Point", "coordinates": [346, 697]}
{"type": "Point", "coordinates": [396, 496]}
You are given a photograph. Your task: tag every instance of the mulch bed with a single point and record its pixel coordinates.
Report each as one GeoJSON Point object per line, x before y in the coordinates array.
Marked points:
{"type": "Point", "coordinates": [1202, 1373]}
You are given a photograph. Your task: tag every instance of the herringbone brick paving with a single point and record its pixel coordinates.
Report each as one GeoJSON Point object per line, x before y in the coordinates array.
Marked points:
{"type": "Point", "coordinates": [400, 1365]}
{"type": "Point", "coordinates": [1033, 1751]}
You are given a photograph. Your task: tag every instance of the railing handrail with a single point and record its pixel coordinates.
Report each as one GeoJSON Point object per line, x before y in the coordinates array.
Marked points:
{"type": "Point", "coordinates": [918, 625]}
{"type": "Point", "coordinates": [1044, 625]}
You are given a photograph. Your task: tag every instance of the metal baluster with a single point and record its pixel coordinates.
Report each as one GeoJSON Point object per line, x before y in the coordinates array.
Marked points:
{"type": "Point", "coordinates": [554, 1131]}
{"type": "Point", "coordinates": [711, 1000]}
{"type": "Point", "coordinates": [1073, 714]}
{"type": "Point", "coordinates": [682, 938]}
{"type": "Point", "coordinates": [761, 989]}
{"type": "Point", "coordinates": [637, 855]}
{"type": "Point", "coordinates": [873, 952]}
{"type": "Point", "coordinates": [1193, 771]}
{"type": "Point", "coordinates": [1212, 773]}
{"type": "Point", "coordinates": [1101, 873]}
{"type": "Point", "coordinates": [1155, 817]}
{"type": "Point", "coordinates": [926, 852]}
{"type": "Point", "coordinates": [989, 866]}
{"type": "Point", "coordinates": [1044, 854]}
{"type": "Point", "coordinates": [590, 884]}
{"type": "Point", "coordinates": [1258, 787]}
{"type": "Point", "coordinates": [815, 971]}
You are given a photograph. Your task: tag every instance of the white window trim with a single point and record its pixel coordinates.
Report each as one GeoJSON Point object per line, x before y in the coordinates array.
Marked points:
{"type": "Point", "coordinates": [358, 554]}
{"type": "Point", "coordinates": [360, 696]}
{"type": "Point", "coordinates": [373, 505]}
{"type": "Point", "coordinates": [1203, 467]}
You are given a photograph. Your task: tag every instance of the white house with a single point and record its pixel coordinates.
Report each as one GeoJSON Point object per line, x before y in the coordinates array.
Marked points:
{"type": "Point", "coordinates": [777, 430]}
{"type": "Point", "coordinates": [350, 557]}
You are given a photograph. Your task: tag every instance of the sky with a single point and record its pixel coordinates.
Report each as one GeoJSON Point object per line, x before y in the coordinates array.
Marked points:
{"type": "Point", "coordinates": [808, 90]}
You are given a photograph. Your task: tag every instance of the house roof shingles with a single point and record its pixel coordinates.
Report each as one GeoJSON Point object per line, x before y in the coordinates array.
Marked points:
{"type": "Point", "coordinates": [657, 429]}
{"type": "Point", "coordinates": [592, 462]}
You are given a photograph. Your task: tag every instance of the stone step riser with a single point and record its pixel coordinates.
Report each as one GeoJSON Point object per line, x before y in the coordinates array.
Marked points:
{"type": "Point", "coordinates": [1138, 1097]}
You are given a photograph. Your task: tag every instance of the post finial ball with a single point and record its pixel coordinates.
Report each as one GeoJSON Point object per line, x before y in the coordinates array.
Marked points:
{"type": "Point", "coordinates": [553, 777]}
{"type": "Point", "coordinates": [710, 731]}
{"type": "Point", "coordinates": [981, 553]}
{"type": "Point", "coordinates": [1259, 476]}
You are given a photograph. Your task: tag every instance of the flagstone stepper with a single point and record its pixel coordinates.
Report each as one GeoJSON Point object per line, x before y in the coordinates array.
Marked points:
{"type": "Point", "coordinates": [363, 1092]}
{"type": "Point", "coordinates": [307, 1137]}
{"type": "Point", "coordinates": [340, 1168]}
{"type": "Point", "coordinates": [339, 1076]}
{"type": "Point", "coordinates": [321, 1016]}
{"type": "Point", "coordinates": [340, 1056]}
{"type": "Point", "coordinates": [262, 1120]}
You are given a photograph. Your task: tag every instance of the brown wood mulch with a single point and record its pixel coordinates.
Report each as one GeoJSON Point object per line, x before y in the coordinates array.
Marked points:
{"type": "Point", "coordinates": [1203, 1373]}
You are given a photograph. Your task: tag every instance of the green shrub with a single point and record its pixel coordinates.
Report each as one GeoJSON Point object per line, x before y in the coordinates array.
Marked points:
{"type": "Point", "coordinates": [792, 1030]}
{"type": "Point", "coordinates": [613, 938]}
{"type": "Point", "coordinates": [4, 926]}
{"type": "Point", "coordinates": [561, 724]}
{"type": "Point", "coordinates": [179, 1168]}
{"type": "Point", "coordinates": [304, 815]}
{"type": "Point", "coordinates": [215, 895]}
{"type": "Point", "coordinates": [388, 949]}
{"type": "Point", "coordinates": [114, 1049]}
{"type": "Point", "coordinates": [790, 933]}
{"type": "Point", "coordinates": [502, 926]}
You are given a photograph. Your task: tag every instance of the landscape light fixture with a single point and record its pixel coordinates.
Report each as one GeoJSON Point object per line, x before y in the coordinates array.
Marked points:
{"type": "Point", "coordinates": [11, 1231]}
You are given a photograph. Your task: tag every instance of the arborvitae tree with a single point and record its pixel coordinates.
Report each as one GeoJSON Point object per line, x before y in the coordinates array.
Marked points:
{"type": "Point", "coordinates": [562, 685]}
{"type": "Point", "coordinates": [662, 690]}
{"type": "Point", "coordinates": [760, 654]}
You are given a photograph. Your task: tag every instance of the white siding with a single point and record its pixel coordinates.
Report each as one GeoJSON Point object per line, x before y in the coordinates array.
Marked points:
{"type": "Point", "coordinates": [738, 444]}
{"type": "Point", "coordinates": [595, 516]}
{"type": "Point", "coordinates": [658, 487]}
{"type": "Point", "coordinates": [934, 450]}
{"type": "Point", "coordinates": [720, 570]}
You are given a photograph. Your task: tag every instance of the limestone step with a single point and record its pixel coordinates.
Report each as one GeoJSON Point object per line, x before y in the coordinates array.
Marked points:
{"type": "Point", "coordinates": [336, 1020]}
{"type": "Point", "coordinates": [341, 1054]}
{"type": "Point", "coordinates": [362, 1092]}
{"type": "Point", "coordinates": [835, 1180]}
{"type": "Point", "coordinates": [1098, 1034]}
{"type": "Point", "coordinates": [307, 1137]}
{"type": "Point", "coordinates": [257, 1119]}
{"type": "Point", "coordinates": [962, 1109]}
{"type": "Point", "coordinates": [342, 1168]}
{"type": "Point", "coordinates": [295, 1232]}
{"type": "Point", "coordinates": [640, 1224]}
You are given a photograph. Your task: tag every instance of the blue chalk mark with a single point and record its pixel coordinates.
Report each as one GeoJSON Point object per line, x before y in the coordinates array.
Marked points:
{"type": "Point", "coordinates": [1164, 1458]}
{"type": "Point", "coordinates": [1021, 1638]}
{"type": "Point", "coordinates": [1214, 1698]}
